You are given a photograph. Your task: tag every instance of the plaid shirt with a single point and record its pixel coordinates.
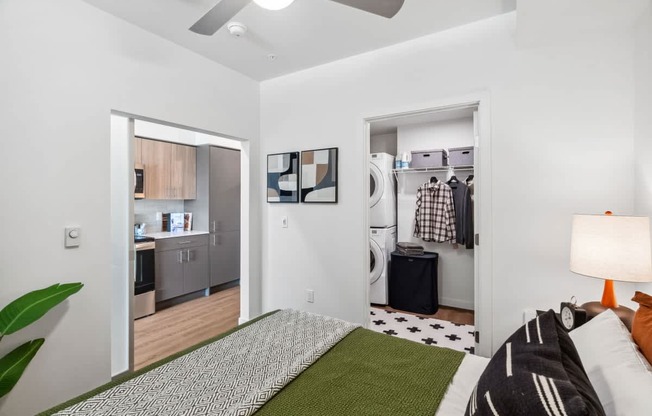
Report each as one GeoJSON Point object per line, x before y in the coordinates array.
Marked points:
{"type": "Point", "coordinates": [434, 218]}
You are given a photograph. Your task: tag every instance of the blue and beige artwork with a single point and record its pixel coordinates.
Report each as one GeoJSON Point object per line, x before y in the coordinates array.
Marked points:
{"type": "Point", "coordinates": [283, 177]}
{"type": "Point", "coordinates": [319, 175]}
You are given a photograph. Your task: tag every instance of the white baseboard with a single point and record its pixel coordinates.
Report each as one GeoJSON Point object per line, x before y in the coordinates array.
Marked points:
{"type": "Point", "coordinates": [242, 320]}
{"type": "Point", "coordinates": [457, 303]}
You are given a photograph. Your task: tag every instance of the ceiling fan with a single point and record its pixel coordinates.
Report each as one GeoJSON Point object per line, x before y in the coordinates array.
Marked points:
{"type": "Point", "coordinates": [223, 11]}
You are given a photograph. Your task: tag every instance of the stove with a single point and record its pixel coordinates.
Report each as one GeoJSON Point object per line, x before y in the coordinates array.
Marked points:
{"type": "Point", "coordinates": [142, 239]}
{"type": "Point", "coordinates": [144, 285]}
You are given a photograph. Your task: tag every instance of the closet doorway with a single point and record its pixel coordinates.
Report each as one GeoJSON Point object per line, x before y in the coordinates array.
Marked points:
{"type": "Point", "coordinates": [450, 150]}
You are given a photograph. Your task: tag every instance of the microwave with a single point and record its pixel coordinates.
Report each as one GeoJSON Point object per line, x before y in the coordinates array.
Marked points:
{"type": "Point", "coordinates": [139, 182]}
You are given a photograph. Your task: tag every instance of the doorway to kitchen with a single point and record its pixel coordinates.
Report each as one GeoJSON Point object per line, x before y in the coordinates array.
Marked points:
{"type": "Point", "coordinates": [180, 203]}
{"type": "Point", "coordinates": [420, 277]}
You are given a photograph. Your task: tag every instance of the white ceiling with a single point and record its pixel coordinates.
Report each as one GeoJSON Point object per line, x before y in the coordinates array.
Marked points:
{"type": "Point", "coordinates": [306, 34]}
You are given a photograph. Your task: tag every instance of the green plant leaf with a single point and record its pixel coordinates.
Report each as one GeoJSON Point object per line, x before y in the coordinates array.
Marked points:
{"type": "Point", "coordinates": [13, 364]}
{"type": "Point", "coordinates": [33, 305]}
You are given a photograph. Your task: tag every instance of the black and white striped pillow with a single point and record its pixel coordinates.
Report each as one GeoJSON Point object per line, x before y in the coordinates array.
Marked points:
{"type": "Point", "coordinates": [537, 371]}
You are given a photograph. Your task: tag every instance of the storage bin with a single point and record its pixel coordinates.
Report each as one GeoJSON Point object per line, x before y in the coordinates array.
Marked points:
{"type": "Point", "coordinates": [428, 159]}
{"type": "Point", "coordinates": [413, 283]}
{"type": "Point", "coordinates": [460, 156]}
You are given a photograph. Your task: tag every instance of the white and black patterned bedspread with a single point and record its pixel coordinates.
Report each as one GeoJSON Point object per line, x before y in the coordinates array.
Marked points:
{"type": "Point", "coordinates": [235, 375]}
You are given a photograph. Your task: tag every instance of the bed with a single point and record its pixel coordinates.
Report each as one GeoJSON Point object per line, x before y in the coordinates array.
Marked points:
{"type": "Point", "coordinates": [296, 363]}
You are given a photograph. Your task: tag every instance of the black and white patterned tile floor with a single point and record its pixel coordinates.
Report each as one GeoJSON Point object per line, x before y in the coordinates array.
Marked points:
{"type": "Point", "coordinates": [427, 331]}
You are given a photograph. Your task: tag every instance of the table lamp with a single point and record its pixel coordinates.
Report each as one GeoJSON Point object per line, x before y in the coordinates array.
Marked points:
{"type": "Point", "coordinates": [611, 247]}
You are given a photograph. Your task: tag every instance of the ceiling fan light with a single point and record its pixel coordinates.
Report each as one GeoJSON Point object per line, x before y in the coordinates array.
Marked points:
{"type": "Point", "coordinates": [273, 4]}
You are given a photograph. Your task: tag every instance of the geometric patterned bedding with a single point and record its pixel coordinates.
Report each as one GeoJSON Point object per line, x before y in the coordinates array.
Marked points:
{"type": "Point", "coordinates": [235, 375]}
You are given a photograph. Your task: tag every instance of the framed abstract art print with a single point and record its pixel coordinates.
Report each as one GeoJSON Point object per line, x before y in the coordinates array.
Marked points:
{"type": "Point", "coordinates": [283, 177]}
{"type": "Point", "coordinates": [319, 176]}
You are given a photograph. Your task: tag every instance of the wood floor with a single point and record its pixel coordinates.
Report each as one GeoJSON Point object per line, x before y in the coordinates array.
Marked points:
{"type": "Point", "coordinates": [445, 313]}
{"type": "Point", "coordinates": [181, 326]}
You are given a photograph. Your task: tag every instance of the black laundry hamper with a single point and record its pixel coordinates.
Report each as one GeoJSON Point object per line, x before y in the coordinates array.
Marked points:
{"type": "Point", "coordinates": [413, 283]}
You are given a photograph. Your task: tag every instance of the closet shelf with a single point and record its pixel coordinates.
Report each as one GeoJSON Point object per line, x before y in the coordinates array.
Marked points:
{"type": "Point", "coordinates": [439, 169]}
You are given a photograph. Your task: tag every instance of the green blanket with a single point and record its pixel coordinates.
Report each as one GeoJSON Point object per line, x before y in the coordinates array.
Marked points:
{"type": "Point", "coordinates": [368, 373]}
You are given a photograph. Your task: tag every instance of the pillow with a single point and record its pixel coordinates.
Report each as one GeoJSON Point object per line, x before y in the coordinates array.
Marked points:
{"type": "Point", "coordinates": [537, 371]}
{"type": "Point", "coordinates": [618, 371]}
{"type": "Point", "coordinates": [642, 325]}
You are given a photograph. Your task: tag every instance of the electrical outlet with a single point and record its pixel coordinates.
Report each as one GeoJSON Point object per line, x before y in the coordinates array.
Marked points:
{"type": "Point", "coordinates": [284, 222]}
{"type": "Point", "coordinates": [159, 216]}
{"type": "Point", "coordinates": [310, 296]}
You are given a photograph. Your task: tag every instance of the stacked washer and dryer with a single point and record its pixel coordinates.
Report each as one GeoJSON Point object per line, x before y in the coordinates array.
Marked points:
{"type": "Point", "coordinates": [382, 220]}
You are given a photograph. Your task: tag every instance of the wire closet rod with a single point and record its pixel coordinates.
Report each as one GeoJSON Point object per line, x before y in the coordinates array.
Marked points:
{"type": "Point", "coordinates": [439, 169]}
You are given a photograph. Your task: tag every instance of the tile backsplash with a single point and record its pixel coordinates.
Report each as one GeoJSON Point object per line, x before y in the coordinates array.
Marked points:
{"type": "Point", "coordinates": [145, 211]}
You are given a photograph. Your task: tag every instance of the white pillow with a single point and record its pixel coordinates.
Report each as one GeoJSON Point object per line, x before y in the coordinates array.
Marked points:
{"type": "Point", "coordinates": [620, 375]}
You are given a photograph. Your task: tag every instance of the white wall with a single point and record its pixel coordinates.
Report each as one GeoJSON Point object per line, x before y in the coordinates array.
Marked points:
{"type": "Point", "coordinates": [66, 65]}
{"type": "Point", "coordinates": [456, 266]}
{"type": "Point", "coordinates": [562, 137]}
{"type": "Point", "coordinates": [184, 136]}
{"type": "Point", "coordinates": [643, 119]}
{"type": "Point", "coordinates": [163, 132]}
{"type": "Point", "coordinates": [643, 116]}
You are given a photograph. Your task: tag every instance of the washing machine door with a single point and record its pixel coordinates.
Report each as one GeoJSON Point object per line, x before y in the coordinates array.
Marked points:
{"type": "Point", "coordinates": [376, 184]}
{"type": "Point", "coordinates": [376, 261]}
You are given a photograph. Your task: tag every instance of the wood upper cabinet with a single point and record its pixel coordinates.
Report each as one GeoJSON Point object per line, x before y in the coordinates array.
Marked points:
{"type": "Point", "coordinates": [184, 168]}
{"type": "Point", "coordinates": [138, 151]}
{"type": "Point", "coordinates": [170, 170]}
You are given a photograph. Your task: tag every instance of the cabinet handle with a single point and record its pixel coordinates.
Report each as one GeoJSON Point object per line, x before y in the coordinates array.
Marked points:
{"type": "Point", "coordinates": [213, 239]}
{"type": "Point", "coordinates": [180, 256]}
{"type": "Point", "coordinates": [184, 242]}
{"type": "Point", "coordinates": [213, 226]}
{"type": "Point", "coordinates": [188, 255]}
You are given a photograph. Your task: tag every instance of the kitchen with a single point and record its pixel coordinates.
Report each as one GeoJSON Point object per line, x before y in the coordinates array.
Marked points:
{"type": "Point", "coordinates": [187, 239]}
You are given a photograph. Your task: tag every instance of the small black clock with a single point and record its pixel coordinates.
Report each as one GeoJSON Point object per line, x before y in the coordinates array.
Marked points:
{"type": "Point", "coordinates": [571, 315]}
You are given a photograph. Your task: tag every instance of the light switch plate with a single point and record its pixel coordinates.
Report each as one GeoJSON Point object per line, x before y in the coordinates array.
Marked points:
{"type": "Point", "coordinates": [72, 237]}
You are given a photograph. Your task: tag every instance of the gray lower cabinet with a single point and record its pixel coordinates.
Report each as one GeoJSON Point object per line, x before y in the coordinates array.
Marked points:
{"type": "Point", "coordinates": [195, 273]}
{"type": "Point", "coordinates": [169, 275]}
{"type": "Point", "coordinates": [182, 266]}
{"type": "Point", "coordinates": [225, 257]}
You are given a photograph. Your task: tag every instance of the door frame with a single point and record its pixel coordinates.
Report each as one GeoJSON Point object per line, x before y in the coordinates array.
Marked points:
{"type": "Point", "coordinates": [122, 220]}
{"type": "Point", "coordinates": [483, 276]}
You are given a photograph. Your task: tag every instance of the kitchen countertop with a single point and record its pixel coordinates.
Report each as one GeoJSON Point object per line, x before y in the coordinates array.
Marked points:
{"type": "Point", "coordinates": [169, 234]}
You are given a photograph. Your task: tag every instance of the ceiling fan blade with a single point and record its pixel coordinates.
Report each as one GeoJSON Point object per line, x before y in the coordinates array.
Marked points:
{"type": "Point", "coordinates": [217, 17]}
{"type": "Point", "coordinates": [385, 8]}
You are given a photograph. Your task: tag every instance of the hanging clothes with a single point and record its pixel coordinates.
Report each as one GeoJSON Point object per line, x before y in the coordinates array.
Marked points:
{"type": "Point", "coordinates": [434, 217]}
{"type": "Point", "coordinates": [470, 229]}
{"type": "Point", "coordinates": [463, 212]}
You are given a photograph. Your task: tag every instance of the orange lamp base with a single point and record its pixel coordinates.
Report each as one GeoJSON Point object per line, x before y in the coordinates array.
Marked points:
{"type": "Point", "coordinates": [609, 302]}
{"type": "Point", "coordinates": [609, 295]}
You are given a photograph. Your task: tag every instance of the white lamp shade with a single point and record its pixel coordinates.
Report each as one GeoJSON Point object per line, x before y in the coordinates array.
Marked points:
{"type": "Point", "coordinates": [273, 4]}
{"type": "Point", "coordinates": [611, 247]}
